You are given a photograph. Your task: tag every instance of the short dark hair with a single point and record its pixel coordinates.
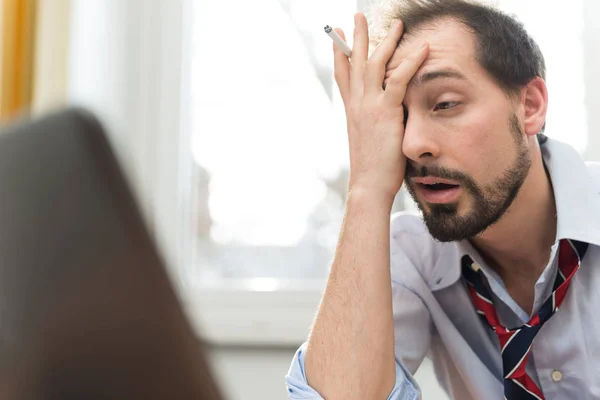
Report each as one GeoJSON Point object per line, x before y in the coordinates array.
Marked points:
{"type": "Point", "coordinates": [504, 48]}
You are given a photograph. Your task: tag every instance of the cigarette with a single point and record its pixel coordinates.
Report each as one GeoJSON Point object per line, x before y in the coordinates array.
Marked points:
{"type": "Point", "coordinates": [338, 41]}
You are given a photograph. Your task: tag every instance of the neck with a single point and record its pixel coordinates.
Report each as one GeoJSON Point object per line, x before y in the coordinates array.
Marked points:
{"type": "Point", "coordinates": [518, 246]}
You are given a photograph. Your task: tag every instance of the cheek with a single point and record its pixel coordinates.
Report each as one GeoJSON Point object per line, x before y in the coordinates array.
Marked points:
{"type": "Point", "coordinates": [484, 144]}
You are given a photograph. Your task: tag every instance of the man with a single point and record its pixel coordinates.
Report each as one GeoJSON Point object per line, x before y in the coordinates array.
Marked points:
{"type": "Point", "coordinates": [499, 282]}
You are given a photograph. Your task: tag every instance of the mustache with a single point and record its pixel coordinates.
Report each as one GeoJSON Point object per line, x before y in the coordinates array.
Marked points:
{"type": "Point", "coordinates": [421, 171]}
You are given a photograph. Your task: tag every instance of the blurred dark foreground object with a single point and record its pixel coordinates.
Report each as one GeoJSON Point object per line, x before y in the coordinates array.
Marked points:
{"type": "Point", "coordinates": [86, 308]}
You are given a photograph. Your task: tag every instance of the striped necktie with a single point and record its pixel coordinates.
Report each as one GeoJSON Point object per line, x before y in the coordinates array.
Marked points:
{"type": "Point", "coordinates": [515, 344]}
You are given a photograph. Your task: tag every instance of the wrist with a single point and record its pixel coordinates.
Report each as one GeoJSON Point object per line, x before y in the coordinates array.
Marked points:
{"type": "Point", "coordinates": [371, 197]}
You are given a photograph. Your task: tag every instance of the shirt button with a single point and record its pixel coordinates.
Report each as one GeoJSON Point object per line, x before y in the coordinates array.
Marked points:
{"type": "Point", "coordinates": [556, 375]}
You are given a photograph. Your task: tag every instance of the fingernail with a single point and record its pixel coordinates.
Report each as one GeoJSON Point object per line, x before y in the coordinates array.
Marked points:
{"type": "Point", "coordinates": [395, 23]}
{"type": "Point", "coordinates": [423, 46]}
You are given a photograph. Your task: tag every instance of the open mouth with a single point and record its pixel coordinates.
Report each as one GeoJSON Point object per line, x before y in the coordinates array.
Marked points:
{"type": "Point", "coordinates": [437, 186]}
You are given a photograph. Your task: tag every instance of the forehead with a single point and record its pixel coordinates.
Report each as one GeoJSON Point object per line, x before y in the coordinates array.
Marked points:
{"type": "Point", "coordinates": [451, 44]}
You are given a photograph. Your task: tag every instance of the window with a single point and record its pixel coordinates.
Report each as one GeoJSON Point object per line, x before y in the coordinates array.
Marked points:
{"type": "Point", "coordinates": [268, 139]}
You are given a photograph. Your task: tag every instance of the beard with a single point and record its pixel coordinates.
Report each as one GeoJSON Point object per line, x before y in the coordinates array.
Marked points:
{"type": "Point", "coordinates": [489, 202]}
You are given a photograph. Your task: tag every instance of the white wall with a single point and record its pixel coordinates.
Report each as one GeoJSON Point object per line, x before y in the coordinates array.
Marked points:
{"type": "Point", "coordinates": [252, 373]}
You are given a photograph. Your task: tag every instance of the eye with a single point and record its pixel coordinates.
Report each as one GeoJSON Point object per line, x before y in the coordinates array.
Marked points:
{"type": "Point", "coordinates": [445, 105]}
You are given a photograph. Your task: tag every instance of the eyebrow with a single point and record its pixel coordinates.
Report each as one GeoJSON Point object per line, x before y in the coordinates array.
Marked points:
{"type": "Point", "coordinates": [440, 74]}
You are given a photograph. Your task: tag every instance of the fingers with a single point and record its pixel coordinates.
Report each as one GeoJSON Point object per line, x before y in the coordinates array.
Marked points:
{"type": "Point", "coordinates": [360, 52]}
{"type": "Point", "coordinates": [341, 68]}
{"type": "Point", "coordinates": [398, 82]}
{"type": "Point", "coordinates": [377, 63]}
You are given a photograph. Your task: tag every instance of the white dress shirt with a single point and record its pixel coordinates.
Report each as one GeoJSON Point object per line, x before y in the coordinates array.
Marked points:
{"type": "Point", "coordinates": [434, 315]}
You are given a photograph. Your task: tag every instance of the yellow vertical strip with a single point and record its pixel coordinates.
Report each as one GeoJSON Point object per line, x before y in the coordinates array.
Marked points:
{"type": "Point", "coordinates": [18, 36]}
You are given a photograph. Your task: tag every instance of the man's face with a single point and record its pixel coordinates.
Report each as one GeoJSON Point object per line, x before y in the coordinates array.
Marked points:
{"type": "Point", "coordinates": [462, 131]}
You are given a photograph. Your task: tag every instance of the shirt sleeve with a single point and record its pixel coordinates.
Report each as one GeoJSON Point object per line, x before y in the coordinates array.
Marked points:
{"type": "Point", "coordinates": [298, 389]}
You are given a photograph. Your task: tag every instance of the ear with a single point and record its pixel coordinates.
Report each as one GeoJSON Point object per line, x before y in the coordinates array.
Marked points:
{"type": "Point", "coordinates": [534, 100]}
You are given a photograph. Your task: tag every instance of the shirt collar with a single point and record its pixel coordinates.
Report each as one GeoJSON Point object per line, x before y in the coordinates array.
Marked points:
{"type": "Point", "coordinates": [576, 196]}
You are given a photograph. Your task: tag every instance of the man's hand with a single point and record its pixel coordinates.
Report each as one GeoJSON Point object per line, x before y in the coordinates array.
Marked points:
{"type": "Point", "coordinates": [375, 117]}
{"type": "Point", "coordinates": [350, 352]}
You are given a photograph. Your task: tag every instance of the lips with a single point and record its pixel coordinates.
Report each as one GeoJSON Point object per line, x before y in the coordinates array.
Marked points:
{"type": "Point", "coordinates": [437, 190]}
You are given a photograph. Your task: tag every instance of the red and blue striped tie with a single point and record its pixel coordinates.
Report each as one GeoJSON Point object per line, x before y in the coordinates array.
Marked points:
{"type": "Point", "coordinates": [515, 344]}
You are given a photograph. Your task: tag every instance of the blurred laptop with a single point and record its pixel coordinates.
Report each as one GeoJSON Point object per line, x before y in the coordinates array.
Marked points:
{"type": "Point", "coordinates": [86, 307]}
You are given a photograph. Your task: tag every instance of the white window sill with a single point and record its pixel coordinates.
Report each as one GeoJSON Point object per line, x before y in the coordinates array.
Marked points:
{"type": "Point", "coordinates": [234, 312]}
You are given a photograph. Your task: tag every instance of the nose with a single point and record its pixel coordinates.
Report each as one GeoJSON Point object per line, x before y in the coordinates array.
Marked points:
{"type": "Point", "coordinates": [419, 142]}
